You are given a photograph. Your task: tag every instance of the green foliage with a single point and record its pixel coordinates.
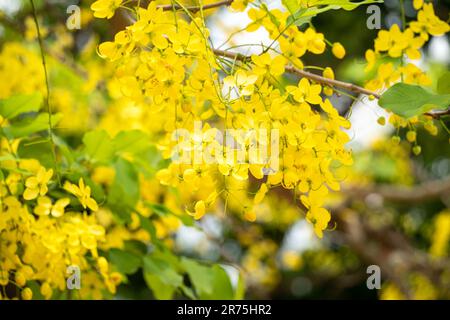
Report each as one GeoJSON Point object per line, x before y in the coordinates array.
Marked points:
{"type": "Point", "coordinates": [18, 104]}
{"type": "Point", "coordinates": [161, 277]}
{"type": "Point", "coordinates": [30, 125]}
{"type": "Point", "coordinates": [165, 273]}
{"type": "Point", "coordinates": [37, 148]}
{"type": "Point", "coordinates": [125, 262]}
{"type": "Point", "coordinates": [301, 15]}
{"type": "Point", "coordinates": [98, 146]}
{"type": "Point", "coordinates": [124, 192]}
{"type": "Point", "coordinates": [410, 100]}
{"type": "Point", "coordinates": [443, 85]}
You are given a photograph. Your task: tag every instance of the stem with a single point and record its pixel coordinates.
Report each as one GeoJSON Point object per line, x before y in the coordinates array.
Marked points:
{"type": "Point", "coordinates": [305, 74]}
{"type": "Point", "coordinates": [194, 9]}
{"type": "Point", "coordinates": [437, 114]}
{"type": "Point", "coordinates": [402, 13]}
{"type": "Point", "coordinates": [47, 86]}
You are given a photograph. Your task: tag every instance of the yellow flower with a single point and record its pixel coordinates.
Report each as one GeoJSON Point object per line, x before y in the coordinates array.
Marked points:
{"type": "Point", "coordinates": [428, 23]}
{"type": "Point", "coordinates": [392, 41]}
{"type": "Point", "coordinates": [108, 50]}
{"type": "Point", "coordinates": [313, 41]}
{"type": "Point", "coordinates": [338, 50]}
{"type": "Point", "coordinates": [27, 294]}
{"type": "Point", "coordinates": [305, 92]}
{"type": "Point", "coordinates": [441, 235]}
{"type": "Point", "coordinates": [199, 210]}
{"type": "Point", "coordinates": [243, 81]}
{"type": "Point", "coordinates": [260, 194]}
{"type": "Point", "coordinates": [417, 4]}
{"type": "Point", "coordinates": [329, 74]}
{"type": "Point", "coordinates": [46, 290]}
{"type": "Point", "coordinates": [371, 59]}
{"type": "Point", "coordinates": [316, 214]}
{"type": "Point", "coordinates": [83, 193]}
{"type": "Point", "coordinates": [413, 44]}
{"type": "Point", "coordinates": [105, 8]}
{"type": "Point", "coordinates": [266, 64]}
{"type": "Point", "coordinates": [37, 185]}
{"type": "Point", "coordinates": [240, 5]}
{"type": "Point", "coordinates": [256, 16]}
{"type": "Point", "coordinates": [292, 260]}
{"type": "Point", "coordinates": [45, 207]}
{"type": "Point", "coordinates": [20, 279]}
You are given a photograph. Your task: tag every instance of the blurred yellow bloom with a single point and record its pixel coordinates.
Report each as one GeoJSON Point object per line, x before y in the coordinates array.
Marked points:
{"type": "Point", "coordinates": [260, 194]}
{"type": "Point", "coordinates": [105, 8]}
{"type": "Point", "coordinates": [37, 185]}
{"type": "Point", "coordinates": [83, 193]}
{"type": "Point", "coordinates": [27, 294]}
{"type": "Point", "coordinates": [45, 207]}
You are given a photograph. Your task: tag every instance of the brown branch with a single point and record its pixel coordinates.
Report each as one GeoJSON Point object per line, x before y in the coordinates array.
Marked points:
{"type": "Point", "coordinates": [437, 114]}
{"type": "Point", "coordinates": [304, 74]}
{"type": "Point", "coordinates": [319, 79]}
{"type": "Point", "coordinates": [195, 9]}
{"type": "Point", "coordinates": [424, 192]}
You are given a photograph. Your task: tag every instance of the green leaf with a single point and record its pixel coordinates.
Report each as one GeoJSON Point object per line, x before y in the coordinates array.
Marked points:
{"type": "Point", "coordinates": [291, 5]}
{"type": "Point", "coordinates": [65, 150]}
{"type": "Point", "coordinates": [160, 209]}
{"type": "Point", "coordinates": [16, 105]}
{"type": "Point", "coordinates": [161, 277]}
{"type": "Point", "coordinates": [346, 4]}
{"type": "Point", "coordinates": [240, 289]}
{"type": "Point", "coordinates": [202, 277]}
{"type": "Point", "coordinates": [38, 149]}
{"type": "Point", "coordinates": [150, 161]}
{"type": "Point", "coordinates": [301, 15]}
{"type": "Point", "coordinates": [443, 85]}
{"type": "Point", "coordinates": [30, 125]}
{"type": "Point", "coordinates": [98, 146]}
{"type": "Point", "coordinates": [124, 192]}
{"type": "Point", "coordinates": [148, 226]}
{"type": "Point", "coordinates": [222, 288]}
{"type": "Point", "coordinates": [133, 141]}
{"type": "Point", "coordinates": [409, 100]}
{"type": "Point", "coordinates": [125, 262]}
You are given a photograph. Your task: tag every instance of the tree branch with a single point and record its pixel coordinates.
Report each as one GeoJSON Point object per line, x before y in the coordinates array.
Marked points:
{"type": "Point", "coordinates": [423, 192]}
{"type": "Point", "coordinates": [437, 114]}
{"type": "Point", "coordinates": [304, 74]}
{"type": "Point", "coordinates": [319, 79]}
{"type": "Point", "coordinates": [194, 9]}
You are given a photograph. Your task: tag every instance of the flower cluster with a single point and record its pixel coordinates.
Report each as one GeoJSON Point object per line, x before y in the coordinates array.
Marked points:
{"type": "Point", "coordinates": [168, 66]}
{"type": "Point", "coordinates": [398, 44]}
{"type": "Point", "coordinates": [41, 233]}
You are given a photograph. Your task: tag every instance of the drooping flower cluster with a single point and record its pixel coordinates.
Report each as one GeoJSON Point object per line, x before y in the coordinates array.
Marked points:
{"type": "Point", "coordinates": [165, 63]}
{"type": "Point", "coordinates": [39, 236]}
{"type": "Point", "coordinates": [400, 44]}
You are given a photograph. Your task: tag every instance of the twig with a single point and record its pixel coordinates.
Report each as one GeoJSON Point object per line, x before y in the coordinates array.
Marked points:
{"type": "Point", "coordinates": [193, 9]}
{"type": "Point", "coordinates": [319, 79]}
{"type": "Point", "coordinates": [423, 192]}
{"type": "Point", "coordinates": [47, 86]}
{"type": "Point", "coordinates": [437, 114]}
{"type": "Point", "coordinates": [304, 74]}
